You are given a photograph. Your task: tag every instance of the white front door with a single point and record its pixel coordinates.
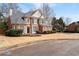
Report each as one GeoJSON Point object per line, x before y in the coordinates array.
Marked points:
{"type": "Point", "coordinates": [33, 30]}
{"type": "Point", "coordinates": [25, 30]}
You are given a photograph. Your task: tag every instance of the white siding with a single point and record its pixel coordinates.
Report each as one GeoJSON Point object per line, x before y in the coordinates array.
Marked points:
{"type": "Point", "coordinates": [27, 21]}
{"type": "Point", "coordinates": [36, 14]}
{"type": "Point", "coordinates": [13, 27]}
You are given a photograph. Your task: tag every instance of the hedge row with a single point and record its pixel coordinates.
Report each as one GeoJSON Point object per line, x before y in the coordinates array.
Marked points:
{"type": "Point", "coordinates": [13, 32]}
{"type": "Point", "coordinates": [45, 32]}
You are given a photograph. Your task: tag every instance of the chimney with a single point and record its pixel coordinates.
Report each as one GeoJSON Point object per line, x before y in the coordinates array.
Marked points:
{"type": "Point", "coordinates": [10, 12]}
{"type": "Point", "coordinates": [9, 19]}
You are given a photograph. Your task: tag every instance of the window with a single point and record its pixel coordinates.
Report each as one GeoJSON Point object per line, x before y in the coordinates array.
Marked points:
{"type": "Point", "coordinates": [27, 21]}
{"type": "Point", "coordinates": [35, 21]}
{"type": "Point", "coordinates": [13, 26]}
{"type": "Point", "coordinates": [21, 26]}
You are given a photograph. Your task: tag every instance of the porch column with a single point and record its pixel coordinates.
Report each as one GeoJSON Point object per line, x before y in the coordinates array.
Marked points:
{"type": "Point", "coordinates": [30, 26]}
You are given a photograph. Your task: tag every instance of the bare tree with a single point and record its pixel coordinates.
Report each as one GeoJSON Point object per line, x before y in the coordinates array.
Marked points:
{"type": "Point", "coordinates": [5, 7]}
{"type": "Point", "coordinates": [47, 11]}
{"type": "Point", "coordinates": [67, 21]}
{"type": "Point", "coordinates": [13, 6]}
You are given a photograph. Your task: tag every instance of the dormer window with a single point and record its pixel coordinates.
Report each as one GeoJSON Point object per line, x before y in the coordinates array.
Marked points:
{"type": "Point", "coordinates": [23, 19]}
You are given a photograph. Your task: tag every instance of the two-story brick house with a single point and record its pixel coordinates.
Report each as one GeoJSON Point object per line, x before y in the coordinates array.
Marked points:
{"type": "Point", "coordinates": [30, 22]}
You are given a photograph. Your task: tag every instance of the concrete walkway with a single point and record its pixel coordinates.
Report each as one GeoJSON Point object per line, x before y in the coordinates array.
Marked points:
{"type": "Point", "coordinates": [14, 41]}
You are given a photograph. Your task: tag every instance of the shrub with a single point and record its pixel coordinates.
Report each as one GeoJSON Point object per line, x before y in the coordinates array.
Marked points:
{"type": "Point", "coordinates": [66, 30]}
{"type": "Point", "coordinates": [3, 26]}
{"type": "Point", "coordinates": [45, 32]}
{"type": "Point", "coordinates": [53, 31]}
{"type": "Point", "coordinates": [49, 32]}
{"type": "Point", "coordinates": [73, 31]}
{"type": "Point", "coordinates": [13, 32]}
{"type": "Point", "coordinates": [37, 32]}
{"type": "Point", "coordinates": [77, 30]}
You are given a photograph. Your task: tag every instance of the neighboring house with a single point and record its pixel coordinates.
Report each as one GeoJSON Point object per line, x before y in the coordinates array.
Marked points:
{"type": "Point", "coordinates": [73, 26]}
{"type": "Point", "coordinates": [30, 22]}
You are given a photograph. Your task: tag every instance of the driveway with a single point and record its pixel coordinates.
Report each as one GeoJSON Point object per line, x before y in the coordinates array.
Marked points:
{"type": "Point", "coordinates": [47, 48]}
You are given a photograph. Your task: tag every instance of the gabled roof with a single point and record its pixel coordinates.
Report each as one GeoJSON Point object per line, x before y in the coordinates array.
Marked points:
{"type": "Point", "coordinates": [16, 16]}
{"type": "Point", "coordinates": [32, 12]}
{"type": "Point", "coordinates": [75, 23]}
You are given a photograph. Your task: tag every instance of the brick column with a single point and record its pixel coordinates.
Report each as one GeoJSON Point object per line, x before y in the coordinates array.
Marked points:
{"type": "Point", "coordinates": [30, 26]}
